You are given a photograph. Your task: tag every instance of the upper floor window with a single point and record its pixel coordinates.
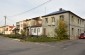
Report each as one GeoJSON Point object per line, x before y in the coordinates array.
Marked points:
{"type": "Point", "coordinates": [82, 21]}
{"type": "Point", "coordinates": [62, 17]}
{"type": "Point", "coordinates": [53, 19]}
{"type": "Point", "coordinates": [72, 18]}
{"type": "Point", "coordinates": [78, 21]}
{"type": "Point", "coordinates": [46, 20]}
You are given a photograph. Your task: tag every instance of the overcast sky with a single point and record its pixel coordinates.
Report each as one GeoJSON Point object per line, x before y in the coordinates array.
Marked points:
{"type": "Point", "coordinates": [13, 7]}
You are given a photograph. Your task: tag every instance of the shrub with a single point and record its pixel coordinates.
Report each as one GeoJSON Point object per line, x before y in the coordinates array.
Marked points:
{"type": "Point", "coordinates": [41, 39]}
{"type": "Point", "coordinates": [13, 36]}
{"type": "Point", "coordinates": [61, 30]}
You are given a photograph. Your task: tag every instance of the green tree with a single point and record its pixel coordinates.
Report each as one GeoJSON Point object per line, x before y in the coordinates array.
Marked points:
{"type": "Point", "coordinates": [61, 30]}
{"type": "Point", "coordinates": [23, 34]}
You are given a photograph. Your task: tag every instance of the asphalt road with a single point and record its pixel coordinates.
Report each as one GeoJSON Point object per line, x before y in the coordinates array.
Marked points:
{"type": "Point", "coordinates": [14, 47]}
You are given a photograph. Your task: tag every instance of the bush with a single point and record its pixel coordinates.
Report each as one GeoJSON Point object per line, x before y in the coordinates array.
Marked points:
{"type": "Point", "coordinates": [1, 34]}
{"type": "Point", "coordinates": [13, 36]}
{"type": "Point", "coordinates": [61, 30]}
{"type": "Point", "coordinates": [41, 39]}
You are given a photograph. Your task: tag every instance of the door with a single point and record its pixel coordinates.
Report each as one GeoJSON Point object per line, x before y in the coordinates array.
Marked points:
{"type": "Point", "coordinates": [44, 31]}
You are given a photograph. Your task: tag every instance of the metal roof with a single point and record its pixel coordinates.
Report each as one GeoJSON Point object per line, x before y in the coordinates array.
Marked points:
{"type": "Point", "coordinates": [56, 12]}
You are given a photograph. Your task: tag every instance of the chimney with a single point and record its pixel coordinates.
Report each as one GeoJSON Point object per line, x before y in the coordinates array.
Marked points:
{"type": "Point", "coordinates": [60, 9]}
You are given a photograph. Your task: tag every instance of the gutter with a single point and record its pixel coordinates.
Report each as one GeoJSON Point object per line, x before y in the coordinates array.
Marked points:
{"type": "Point", "coordinates": [69, 25]}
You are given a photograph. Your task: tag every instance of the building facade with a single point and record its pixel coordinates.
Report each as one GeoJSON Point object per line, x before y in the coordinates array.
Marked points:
{"type": "Point", "coordinates": [7, 29]}
{"type": "Point", "coordinates": [30, 26]}
{"type": "Point", "coordinates": [75, 24]}
{"type": "Point", "coordinates": [21, 25]}
{"type": "Point", "coordinates": [36, 27]}
{"type": "Point", "coordinates": [46, 24]}
{"type": "Point", "coordinates": [2, 30]}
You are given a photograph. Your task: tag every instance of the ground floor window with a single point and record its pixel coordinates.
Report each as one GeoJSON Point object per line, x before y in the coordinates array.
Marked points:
{"type": "Point", "coordinates": [34, 30]}
{"type": "Point", "coordinates": [44, 31]}
{"type": "Point", "coordinates": [38, 29]}
{"type": "Point", "coordinates": [78, 31]}
{"type": "Point", "coordinates": [72, 31]}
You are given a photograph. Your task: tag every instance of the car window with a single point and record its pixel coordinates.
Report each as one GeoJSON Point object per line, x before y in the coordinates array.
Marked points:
{"type": "Point", "coordinates": [82, 34]}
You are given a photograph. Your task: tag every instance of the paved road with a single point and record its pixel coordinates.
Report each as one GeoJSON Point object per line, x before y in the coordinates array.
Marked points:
{"type": "Point", "coordinates": [14, 47]}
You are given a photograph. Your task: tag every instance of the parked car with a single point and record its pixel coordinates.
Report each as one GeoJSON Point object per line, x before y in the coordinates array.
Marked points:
{"type": "Point", "coordinates": [82, 36]}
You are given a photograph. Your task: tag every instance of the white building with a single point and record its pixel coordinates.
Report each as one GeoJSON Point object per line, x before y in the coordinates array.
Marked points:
{"type": "Point", "coordinates": [37, 31]}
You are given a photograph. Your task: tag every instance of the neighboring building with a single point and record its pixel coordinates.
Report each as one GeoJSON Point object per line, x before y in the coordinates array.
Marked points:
{"type": "Point", "coordinates": [21, 26]}
{"type": "Point", "coordinates": [7, 29]}
{"type": "Point", "coordinates": [30, 26]}
{"type": "Point", "coordinates": [35, 27]}
{"type": "Point", "coordinates": [75, 24]}
{"type": "Point", "coordinates": [2, 30]}
{"type": "Point", "coordinates": [46, 24]}
{"type": "Point", "coordinates": [17, 30]}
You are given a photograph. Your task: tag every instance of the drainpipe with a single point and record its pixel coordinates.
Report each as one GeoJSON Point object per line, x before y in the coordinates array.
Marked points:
{"type": "Point", "coordinates": [37, 32]}
{"type": "Point", "coordinates": [69, 25]}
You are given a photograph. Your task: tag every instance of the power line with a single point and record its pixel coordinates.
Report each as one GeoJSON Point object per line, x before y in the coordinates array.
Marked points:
{"type": "Point", "coordinates": [11, 20]}
{"type": "Point", "coordinates": [32, 8]}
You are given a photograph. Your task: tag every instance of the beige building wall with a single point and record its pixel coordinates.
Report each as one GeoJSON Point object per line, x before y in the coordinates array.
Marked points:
{"type": "Point", "coordinates": [1, 30]}
{"type": "Point", "coordinates": [76, 26]}
{"type": "Point", "coordinates": [21, 26]}
{"type": "Point", "coordinates": [68, 18]}
{"type": "Point", "coordinates": [50, 26]}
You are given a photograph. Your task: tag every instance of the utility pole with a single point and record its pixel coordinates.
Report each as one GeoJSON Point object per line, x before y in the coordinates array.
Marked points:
{"type": "Point", "coordinates": [4, 23]}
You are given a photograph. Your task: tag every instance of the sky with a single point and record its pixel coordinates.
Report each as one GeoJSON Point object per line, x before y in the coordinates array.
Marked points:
{"type": "Point", "coordinates": [10, 8]}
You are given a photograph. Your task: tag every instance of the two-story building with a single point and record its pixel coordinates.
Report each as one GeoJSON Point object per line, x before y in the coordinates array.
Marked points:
{"type": "Point", "coordinates": [75, 24]}
{"type": "Point", "coordinates": [21, 25]}
{"type": "Point", "coordinates": [30, 26]}
{"type": "Point", "coordinates": [36, 26]}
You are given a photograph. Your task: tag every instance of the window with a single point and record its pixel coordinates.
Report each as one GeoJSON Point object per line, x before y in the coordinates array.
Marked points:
{"type": "Point", "coordinates": [81, 21]}
{"type": "Point", "coordinates": [53, 19]}
{"type": "Point", "coordinates": [78, 31]}
{"type": "Point", "coordinates": [34, 30]}
{"type": "Point", "coordinates": [72, 31]}
{"type": "Point", "coordinates": [31, 30]}
{"type": "Point", "coordinates": [46, 20]}
{"type": "Point", "coordinates": [72, 19]}
{"type": "Point", "coordinates": [78, 21]}
{"type": "Point", "coordinates": [62, 17]}
{"type": "Point", "coordinates": [49, 25]}
{"type": "Point", "coordinates": [38, 29]}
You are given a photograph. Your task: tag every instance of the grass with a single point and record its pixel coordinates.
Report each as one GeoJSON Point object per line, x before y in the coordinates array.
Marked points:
{"type": "Point", "coordinates": [41, 39]}
{"type": "Point", "coordinates": [34, 39]}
